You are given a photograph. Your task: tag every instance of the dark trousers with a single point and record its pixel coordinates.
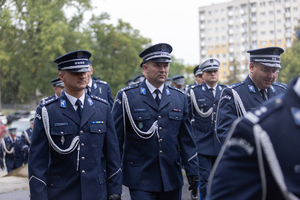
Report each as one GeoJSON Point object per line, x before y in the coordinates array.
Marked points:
{"type": "Point", "coordinates": [145, 195]}
{"type": "Point", "coordinates": [205, 166]}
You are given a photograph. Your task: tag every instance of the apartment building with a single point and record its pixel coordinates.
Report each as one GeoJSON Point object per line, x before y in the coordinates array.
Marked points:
{"type": "Point", "coordinates": [227, 30]}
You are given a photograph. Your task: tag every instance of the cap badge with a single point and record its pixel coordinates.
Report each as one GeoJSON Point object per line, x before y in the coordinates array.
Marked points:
{"type": "Point", "coordinates": [211, 60]}
{"type": "Point", "coordinates": [275, 51]}
{"type": "Point", "coordinates": [164, 47]}
{"type": "Point", "coordinates": [79, 54]}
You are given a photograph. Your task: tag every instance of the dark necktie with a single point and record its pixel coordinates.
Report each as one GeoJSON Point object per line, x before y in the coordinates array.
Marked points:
{"type": "Point", "coordinates": [212, 91]}
{"type": "Point", "coordinates": [79, 109]}
{"type": "Point", "coordinates": [157, 99]}
{"type": "Point", "coordinates": [88, 90]}
{"type": "Point", "coordinates": [263, 94]}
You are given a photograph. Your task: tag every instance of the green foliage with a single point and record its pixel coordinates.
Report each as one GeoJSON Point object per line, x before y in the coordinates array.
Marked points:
{"type": "Point", "coordinates": [290, 62]}
{"type": "Point", "coordinates": [35, 32]}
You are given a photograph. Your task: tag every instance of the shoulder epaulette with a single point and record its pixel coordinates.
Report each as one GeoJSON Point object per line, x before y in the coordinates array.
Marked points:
{"type": "Point", "coordinates": [279, 85]}
{"type": "Point", "coordinates": [237, 84]}
{"type": "Point", "coordinates": [99, 99]}
{"type": "Point", "coordinates": [48, 101]}
{"type": "Point", "coordinates": [102, 82]}
{"type": "Point", "coordinates": [194, 86]}
{"type": "Point", "coordinates": [263, 112]}
{"type": "Point", "coordinates": [176, 89]}
{"type": "Point", "coordinates": [130, 87]}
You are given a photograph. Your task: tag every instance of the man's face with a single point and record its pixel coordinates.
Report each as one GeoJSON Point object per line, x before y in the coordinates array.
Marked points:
{"type": "Point", "coordinates": [262, 76]}
{"type": "Point", "coordinates": [58, 90]}
{"type": "Point", "coordinates": [74, 81]}
{"type": "Point", "coordinates": [156, 72]}
{"type": "Point", "coordinates": [199, 79]}
{"type": "Point", "coordinates": [210, 77]}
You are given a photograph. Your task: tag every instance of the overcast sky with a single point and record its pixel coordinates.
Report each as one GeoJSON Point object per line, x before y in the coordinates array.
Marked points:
{"type": "Point", "coordinates": [171, 21]}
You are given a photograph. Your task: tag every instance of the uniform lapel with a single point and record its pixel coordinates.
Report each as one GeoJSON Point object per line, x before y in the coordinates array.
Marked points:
{"type": "Point", "coordinates": [165, 98]}
{"type": "Point", "coordinates": [147, 96]}
{"type": "Point", "coordinates": [206, 92]}
{"type": "Point", "coordinates": [253, 90]}
{"type": "Point", "coordinates": [88, 110]}
{"type": "Point", "coordinates": [67, 109]}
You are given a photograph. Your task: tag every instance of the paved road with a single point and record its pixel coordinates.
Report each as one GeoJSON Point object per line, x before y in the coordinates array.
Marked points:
{"type": "Point", "coordinates": [16, 188]}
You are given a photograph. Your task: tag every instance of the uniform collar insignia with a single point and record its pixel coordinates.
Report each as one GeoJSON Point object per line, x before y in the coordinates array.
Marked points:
{"type": "Point", "coordinates": [90, 101]}
{"type": "Point", "coordinates": [272, 88]}
{"type": "Point", "coordinates": [168, 91]}
{"type": "Point", "coordinates": [203, 87]}
{"type": "Point", "coordinates": [296, 115]}
{"type": "Point", "coordinates": [220, 88]}
{"type": "Point", "coordinates": [143, 91]}
{"type": "Point", "coordinates": [95, 85]}
{"type": "Point", "coordinates": [251, 88]}
{"type": "Point", "coordinates": [63, 104]}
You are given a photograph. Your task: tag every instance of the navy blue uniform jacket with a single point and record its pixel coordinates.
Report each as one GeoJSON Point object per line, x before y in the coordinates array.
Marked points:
{"type": "Point", "coordinates": [237, 174]}
{"type": "Point", "coordinates": [102, 89]}
{"type": "Point", "coordinates": [53, 175]}
{"type": "Point", "coordinates": [154, 164]}
{"type": "Point", "coordinates": [251, 98]}
{"type": "Point", "coordinates": [204, 127]}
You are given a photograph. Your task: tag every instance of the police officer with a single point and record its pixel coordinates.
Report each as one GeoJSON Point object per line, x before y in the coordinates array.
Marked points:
{"type": "Point", "coordinates": [257, 88]}
{"type": "Point", "coordinates": [11, 150]}
{"type": "Point", "coordinates": [26, 139]}
{"type": "Point", "coordinates": [154, 132]}
{"type": "Point", "coordinates": [169, 82]}
{"type": "Point", "coordinates": [74, 149]}
{"type": "Point", "coordinates": [260, 157]}
{"type": "Point", "coordinates": [204, 100]}
{"type": "Point", "coordinates": [178, 81]}
{"type": "Point", "coordinates": [198, 78]}
{"type": "Point", "coordinates": [98, 88]}
{"type": "Point", "coordinates": [58, 87]}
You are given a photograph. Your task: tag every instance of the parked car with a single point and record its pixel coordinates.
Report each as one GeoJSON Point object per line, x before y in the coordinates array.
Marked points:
{"type": "Point", "coordinates": [17, 115]}
{"type": "Point", "coordinates": [21, 125]}
{"type": "Point", "coordinates": [3, 118]}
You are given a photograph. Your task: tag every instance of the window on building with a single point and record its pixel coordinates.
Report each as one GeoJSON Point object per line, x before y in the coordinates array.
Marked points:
{"type": "Point", "coordinates": [216, 20]}
{"type": "Point", "coordinates": [224, 47]}
{"type": "Point", "coordinates": [278, 12]}
{"type": "Point", "coordinates": [209, 12]}
{"type": "Point", "coordinates": [262, 14]}
{"type": "Point", "coordinates": [271, 22]}
{"type": "Point", "coordinates": [295, 9]}
{"type": "Point", "coordinates": [224, 55]}
{"type": "Point", "coordinates": [210, 48]}
{"type": "Point", "coordinates": [253, 14]}
{"type": "Point", "coordinates": [287, 10]}
{"type": "Point", "coordinates": [278, 21]}
{"type": "Point", "coordinates": [287, 1]}
{"type": "Point", "coordinates": [216, 12]}
{"type": "Point", "coordinates": [296, 20]}
{"type": "Point", "coordinates": [223, 38]}
{"type": "Point", "coordinates": [279, 42]}
{"type": "Point", "coordinates": [224, 73]}
{"type": "Point", "coordinates": [263, 43]}
{"type": "Point", "coordinates": [263, 23]}
{"type": "Point", "coordinates": [278, 1]}
{"type": "Point", "coordinates": [279, 31]}
{"type": "Point", "coordinates": [253, 5]}
{"type": "Point", "coordinates": [270, 3]}
{"type": "Point", "coordinates": [272, 42]}
{"type": "Point", "coordinates": [271, 12]}
{"type": "Point", "coordinates": [271, 32]}
{"type": "Point", "coordinates": [224, 64]}
{"type": "Point", "coordinates": [263, 33]}
{"type": "Point", "coordinates": [262, 4]}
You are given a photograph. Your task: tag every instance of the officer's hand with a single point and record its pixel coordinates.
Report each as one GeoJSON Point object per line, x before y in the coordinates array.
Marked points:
{"type": "Point", "coordinates": [193, 181]}
{"type": "Point", "coordinates": [114, 197]}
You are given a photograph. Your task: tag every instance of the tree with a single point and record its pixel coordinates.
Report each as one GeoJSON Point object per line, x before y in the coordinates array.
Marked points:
{"type": "Point", "coordinates": [290, 62]}
{"type": "Point", "coordinates": [115, 51]}
{"type": "Point", "coordinates": [235, 72]}
{"type": "Point", "coordinates": [35, 33]}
